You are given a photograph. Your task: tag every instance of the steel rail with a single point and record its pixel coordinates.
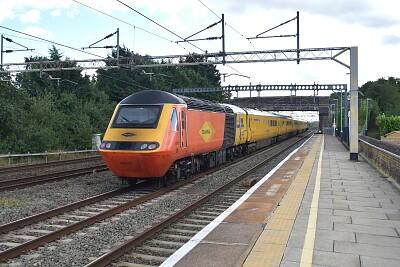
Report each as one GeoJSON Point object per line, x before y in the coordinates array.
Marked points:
{"type": "Point", "coordinates": [128, 245]}
{"type": "Point", "coordinates": [33, 180]}
{"type": "Point", "coordinates": [20, 168]}
{"type": "Point", "coordinates": [18, 250]}
{"type": "Point", "coordinates": [48, 214]}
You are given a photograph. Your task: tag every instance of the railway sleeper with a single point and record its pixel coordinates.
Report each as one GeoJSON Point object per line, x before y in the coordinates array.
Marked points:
{"type": "Point", "coordinates": [182, 231]}
{"type": "Point", "coordinates": [128, 264]}
{"type": "Point", "coordinates": [19, 237]}
{"type": "Point", "coordinates": [165, 251]}
{"type": "Point", "coordinates": [195, 221]}
{"type": "Point", "coordinates": [188, 225]}
{"type": "Point", "coordinates": [154, 251]}
{"type": "Point", "coordinates": [148, 258]}
{"type": "Point", "coordinates": [7, 245]}
{"type": "Point", "coordinates": [174, 237]}
{"type": "Point", "coordinates": [169, 244]}
{"type": "Point", "coordinates": [208, 213]}
{"type": "Point", "coordinates": [202, 217]}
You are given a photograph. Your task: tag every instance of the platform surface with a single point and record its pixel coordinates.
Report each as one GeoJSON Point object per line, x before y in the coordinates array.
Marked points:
{"type": "Point", "coordinates": [317, 208]}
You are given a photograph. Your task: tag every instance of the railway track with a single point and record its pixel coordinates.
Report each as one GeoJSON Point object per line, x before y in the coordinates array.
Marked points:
{"type": "Point", "coordinates": [153, 248]}
{"type": "Point", "coordinates": [34, 231]}
{"type": "Point", "coordinates": [50, 177]}
{"type": "Point", "coordinates": [30, 167]}
{"type": "Point", "coordinates": [155, 245]}
{"type": "Point", "coordinates": [51, 227]}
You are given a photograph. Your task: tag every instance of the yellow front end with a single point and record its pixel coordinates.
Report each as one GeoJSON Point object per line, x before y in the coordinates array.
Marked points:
{"type": "Point", "coordinates": [137, 152]}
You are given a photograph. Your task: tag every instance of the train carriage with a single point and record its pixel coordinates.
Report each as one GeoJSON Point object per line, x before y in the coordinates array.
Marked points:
{"type": "Point", "coordinates": [156, 134]}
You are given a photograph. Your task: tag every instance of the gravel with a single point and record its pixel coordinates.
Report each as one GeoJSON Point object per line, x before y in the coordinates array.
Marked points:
{"type": "Point", "coordinates": [21, 203]}
{"type": "Point", "coordinates": [79, 248]}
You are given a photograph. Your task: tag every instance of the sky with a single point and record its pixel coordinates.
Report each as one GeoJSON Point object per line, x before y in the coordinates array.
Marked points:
{"type": "Point", "coordinates": [371, 25]}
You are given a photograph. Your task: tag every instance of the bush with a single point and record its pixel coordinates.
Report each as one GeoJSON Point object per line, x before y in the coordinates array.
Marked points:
{"type": "Point", "coordinates": [388, 124]}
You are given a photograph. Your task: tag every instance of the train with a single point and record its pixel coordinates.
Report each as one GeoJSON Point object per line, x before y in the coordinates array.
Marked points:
{"type": "Point", "coordinates": [155, 134]}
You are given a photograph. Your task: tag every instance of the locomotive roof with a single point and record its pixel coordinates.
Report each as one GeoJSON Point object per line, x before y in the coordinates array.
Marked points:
{"type": "Point", "coordinates": [235, 109]}
{"type": "Point", "coordinates": [259, 112]}
{"type": "Point", "coordinates": [203, 105]}
{"type": "Point", "coordinates": [152, 97]}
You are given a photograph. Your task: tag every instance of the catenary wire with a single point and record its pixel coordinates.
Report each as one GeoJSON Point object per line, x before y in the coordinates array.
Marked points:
{"type": "Point", "coordinates": [159, 25]}
{"type": "Point", "coordinates": [52, 42]}
{"type": "Point", "coordinates": [143, 87]}
{"type": "Point", "coordinates": [227, 24]}
{"type": "Point", "coordinates": [134, 26]}
{"type": "Point", "coordinates": [235, 31]}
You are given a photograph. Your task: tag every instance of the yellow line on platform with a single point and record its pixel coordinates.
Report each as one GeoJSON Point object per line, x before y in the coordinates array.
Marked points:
{"type": "Point", "coordinates": [268, 250]}
{"type": "Point", "coordinates": [308, 248]}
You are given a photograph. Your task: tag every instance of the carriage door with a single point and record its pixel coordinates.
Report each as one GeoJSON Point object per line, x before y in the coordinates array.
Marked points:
{"type": "Point", "coordinates": [183, 129]}
{"type": "Point", "coordinates": [242, 130]}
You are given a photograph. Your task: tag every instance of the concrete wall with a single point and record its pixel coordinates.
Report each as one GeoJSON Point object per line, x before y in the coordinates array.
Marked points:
{"type": "Point", "coordinates": [389, 163]}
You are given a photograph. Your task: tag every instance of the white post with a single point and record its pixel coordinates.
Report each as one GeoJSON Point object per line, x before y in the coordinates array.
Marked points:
{"type": "Point", "coordinates": [353, 130]}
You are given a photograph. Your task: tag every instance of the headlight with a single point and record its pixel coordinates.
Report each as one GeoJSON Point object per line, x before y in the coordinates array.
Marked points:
{"type": "Point", "coordinates": [105, 145]}
{"type": "Point", "coordinates": [143, 146]}
{"type": "Point", "coordinates": [148, 146]}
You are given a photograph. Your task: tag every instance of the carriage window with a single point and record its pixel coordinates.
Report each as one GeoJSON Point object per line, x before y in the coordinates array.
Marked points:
{"type": "Point", "coordinates": [174, 120]}
{"type": "Point", "coordinates": [183, 119]}
{"type": "Point", "coordinates": [133, 116]}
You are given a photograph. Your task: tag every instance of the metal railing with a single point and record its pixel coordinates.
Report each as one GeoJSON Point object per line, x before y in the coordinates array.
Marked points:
{"type": "Point", "coordinates": [10, 159]}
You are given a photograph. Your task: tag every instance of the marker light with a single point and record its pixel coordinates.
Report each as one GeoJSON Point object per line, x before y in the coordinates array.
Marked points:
{"type": "Point", "coordinates": [152, 146]}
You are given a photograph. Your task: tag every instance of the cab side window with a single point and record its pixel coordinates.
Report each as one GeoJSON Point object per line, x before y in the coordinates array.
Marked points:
{"type": "Point", "coordinates": [174, 120]}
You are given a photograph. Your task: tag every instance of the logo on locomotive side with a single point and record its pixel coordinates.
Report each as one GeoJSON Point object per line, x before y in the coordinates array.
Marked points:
{"type": "Point", "coordinates": [207, 131]}
{"type": "Point", "coordinates": [128, 134]}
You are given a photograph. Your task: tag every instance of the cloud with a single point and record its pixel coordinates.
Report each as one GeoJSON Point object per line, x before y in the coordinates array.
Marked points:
{"type": "Point", "coordinates": [6, 12]}
{"type": "Point", "coordinates": [39, 32]}
{"type": "Point", "coordinates": [368, 13]}
{"type": "Point", "coordinates": [72, 12]}
{"type": "Point", "coordinates": [32, 16]}
{"type": "Point", "coordinates": [17, 8]}
{"type": "Point", "coordinates": [391, 40]}
{"type": "Point", "coordinates": [55, 13]}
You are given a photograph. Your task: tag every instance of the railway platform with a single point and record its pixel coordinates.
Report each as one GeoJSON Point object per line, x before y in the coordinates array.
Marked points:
{"type": "Point", "coordinates": [316, 208]}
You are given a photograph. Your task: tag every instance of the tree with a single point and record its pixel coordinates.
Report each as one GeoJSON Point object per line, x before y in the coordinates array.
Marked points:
{"type": "Point", "coordinates": [120, 83]}
{"type": "Point", "coordinates": [386, 93]}
{"type": "Point", "coordinates": [60, 110]}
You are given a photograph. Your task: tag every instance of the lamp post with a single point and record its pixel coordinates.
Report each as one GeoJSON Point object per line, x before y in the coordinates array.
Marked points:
{"type": "Point", "coordinates": [341, 116]}
{"type": "Point", "coordinates": [336, 114]}
{"type": "Point", "coordinates": [366, 117]}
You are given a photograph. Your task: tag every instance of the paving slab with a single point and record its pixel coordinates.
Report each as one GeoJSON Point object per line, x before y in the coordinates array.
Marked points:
{"type": "Point", "coordinates": [356, 218]}
{"type": "Point", "coordinates": [367, 261]}
{"type": "Point", "coordinates": [384, 241]}
{"type": "Point", "coordinates": [377, 251]}
{"type": "Point", "coordinates": [365, 215]}
{"type": "Point", "coordinates": [361, 214]}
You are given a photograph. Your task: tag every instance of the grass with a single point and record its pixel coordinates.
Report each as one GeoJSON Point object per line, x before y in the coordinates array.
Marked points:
{"type": "Point", "coordinates": [11, 202]}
